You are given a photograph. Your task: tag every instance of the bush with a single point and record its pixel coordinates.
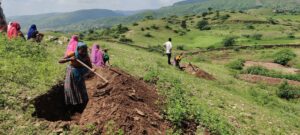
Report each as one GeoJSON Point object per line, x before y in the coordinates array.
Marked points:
{"type": "Point", "coordinates": [288, 92]}
{"type": "Point", "coordinates": [180, 47]}
{"type": "Point", "coordinates": [125, 40]}
{"type": "Point", "coordinates": [237, 64]}
{"type": "Point", "coordinates": [148, 35]}
{"type": "Point", "coordinates": [284, 56]}
{"type": "Point", "coordinates": [250, 26]}
{"type": "Point", "coordinates": [203, 25]}
{"type": "Point", "coordinates": [225, 17]}
{"type": "Point", "coordinates": [257, 36]}
{"type": "Point", "coordinates": [183, 24]}
{"type": "Point", "coordinates": [229, 41]}
{"type": "Point", "coordinates": [291, 36]}
{"type": "Point", "coordinates": [135, 24]}
{"type": "Point", "coordinates": [151, 76]}
{"type": "Point", "coordinates": [154, 27]}
{"type": "Point", "coordinates": [168, 27]}
{"type": "Point", "coordinates": [142, 29]}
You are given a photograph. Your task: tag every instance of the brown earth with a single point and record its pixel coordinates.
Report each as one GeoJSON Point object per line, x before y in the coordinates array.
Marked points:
{"type": "Point", "coordinates": [128, 103]}
{"type": "Point", "coordinates": [266, 80]}
{"type": "Point", "coordinates": [194, 70]}
{"type": "Point", "coordinates": [272, 66]}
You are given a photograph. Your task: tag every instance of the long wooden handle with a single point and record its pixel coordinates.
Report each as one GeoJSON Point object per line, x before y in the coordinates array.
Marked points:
{"type": "Point", "coordinates": [106, 81]}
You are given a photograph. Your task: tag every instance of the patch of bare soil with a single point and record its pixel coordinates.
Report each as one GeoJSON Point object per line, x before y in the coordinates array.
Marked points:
{"type": "Point", "coordinates": [272, 66]}
{"type": "Point", "coordinates": [194, 70]}
{"type": "Point", "coordinates": [130, 104]}
{"type": "Point", "coordinates": [266, 80]}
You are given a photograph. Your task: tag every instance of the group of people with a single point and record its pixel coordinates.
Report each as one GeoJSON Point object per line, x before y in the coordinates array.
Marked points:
{"type": "Point", "coordinates": [14, 31]}
{"type": "Point", "coordinates": [177, 59]}
{"type": "Point", "coordinates": [76, 96]}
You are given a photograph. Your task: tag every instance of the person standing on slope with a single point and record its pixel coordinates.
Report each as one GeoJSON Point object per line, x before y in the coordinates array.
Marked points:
{"type": "Point", "coordinates": [76, 97]}
{"type": "Point", "coordinates": [3, 24]}
{"type": "Point", "coordinates": [71, 48]}
{"type": "Point", "coordinates": [168, 46]}
{"type": "Point", "coordinates": [97, 56]}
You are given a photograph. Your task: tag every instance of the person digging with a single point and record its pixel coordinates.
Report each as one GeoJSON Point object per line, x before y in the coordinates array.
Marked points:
{"type": "Point", "coordinates": [177, 61]}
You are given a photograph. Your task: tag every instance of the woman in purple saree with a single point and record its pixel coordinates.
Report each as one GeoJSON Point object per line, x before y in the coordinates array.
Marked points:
{"type": "Point", "coordinates": [97, 56]}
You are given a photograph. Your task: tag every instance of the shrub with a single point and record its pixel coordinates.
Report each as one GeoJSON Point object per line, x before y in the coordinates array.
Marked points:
{"type": "Point", "coordinates": [284, 56]}
{"type": "Point", "coordinates": [125, 40]}
{"type": "Point", "coordinates": [203, 14]}
{"type": "Point", "coordinates": [257, 36]}
{"type": "Point", "coordinates": [142, 29]}
{"type": "Point", "coordinates": [148, 35]}
{"type": "Point", "coordinates": [180, 47]}
{"type": "Point", "coordinates": [288, 92]}
{"type": "Point", "coordinates": [168, 27]}
{"type": "Point", "coordinates": [229, 41]}
{"type": "Point", "coordinates": [225, 17]}
{"type": "Point", "coordinates": [154, 27]}
{"type": "Point", "coordinates": [135, 24]}
{"type": "Point", "coordinates": [203, 25]}
{"type": "Point", "coordinates": [250, 26]}
{"type": "Point", "coordinates": [291, 36]}
{"type": "Point", "coordinates": [183, 24]}
{"type": "Point", "coordinates": [151, 76]}
{"type": "Point", "coordinates": [237, 64]}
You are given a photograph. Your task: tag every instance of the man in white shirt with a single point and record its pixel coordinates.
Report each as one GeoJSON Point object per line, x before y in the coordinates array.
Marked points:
{"type": "Point", "coordinates": [168, 46]}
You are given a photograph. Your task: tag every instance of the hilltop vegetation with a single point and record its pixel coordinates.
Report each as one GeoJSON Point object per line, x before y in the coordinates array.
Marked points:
{"type": "Point", "coordinates": [208, 30]}
{"type": "Point", "coordinates": [95, 18]}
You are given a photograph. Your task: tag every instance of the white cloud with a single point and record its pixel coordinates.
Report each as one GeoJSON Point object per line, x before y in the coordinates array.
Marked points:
{"type": "Point", "coordinates": [26, 7]}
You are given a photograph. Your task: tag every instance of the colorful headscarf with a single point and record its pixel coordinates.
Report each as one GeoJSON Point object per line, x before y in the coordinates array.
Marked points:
{"type": "Point", "coordinates": [97, 56]}
{"type": "Point", "coordinates": [72, 45]}
{"type": "Point", "coordinates": [14, 30]}
{"type": "Point", "coordinates": [32, 30]}
{"type": "Point", "coordinates": [80, 45]}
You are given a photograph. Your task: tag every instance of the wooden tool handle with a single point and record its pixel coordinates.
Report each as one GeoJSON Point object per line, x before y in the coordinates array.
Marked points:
{"type": "Point", "coordinates": [92, 70]}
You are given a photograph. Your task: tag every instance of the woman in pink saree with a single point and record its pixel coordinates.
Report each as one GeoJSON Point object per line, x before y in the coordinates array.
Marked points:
{"type": "Point", "coordinates": [72, 45]}
{"type": "Point", "coordinates": [97, 56]}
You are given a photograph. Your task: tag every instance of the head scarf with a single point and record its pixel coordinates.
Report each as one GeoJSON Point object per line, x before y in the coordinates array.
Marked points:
{"type": "Point", "coordinates": [32, 30]}
{"type": "Point", "coordinates": [80, 45]}
{"type": "Point", "coordinates": [13, 31]}
{"type": "Point", "coordinates": [72, 45]}
{"type": "Point", "coordinates": [97, 56]}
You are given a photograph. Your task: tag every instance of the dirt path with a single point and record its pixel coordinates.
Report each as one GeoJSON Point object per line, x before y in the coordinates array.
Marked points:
{"type": "Point", "coordinates": [272, 66]}
{"type": "Point", "coordinates": [266, 80]}
{"type": "Point", "coordinates": [126, 103]}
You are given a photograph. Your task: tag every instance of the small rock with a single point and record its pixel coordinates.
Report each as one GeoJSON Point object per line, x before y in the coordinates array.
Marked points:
{"type": "Point", "coordinates": [139, 112]}
{"type": "Point", "coordinates": [136, 118]}
{"type": "Point", "coordinates": [158, 116]}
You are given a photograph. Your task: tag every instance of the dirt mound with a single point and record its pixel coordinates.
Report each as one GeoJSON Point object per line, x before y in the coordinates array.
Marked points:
{"type": "Point", "coordinates": [194, 70]}
{"type": "Point", "coordinates": [128, 103]}
{"type": "Point", "coordinates": [272, 66]}
{"type": "Point", "coordinates": [266, 80]}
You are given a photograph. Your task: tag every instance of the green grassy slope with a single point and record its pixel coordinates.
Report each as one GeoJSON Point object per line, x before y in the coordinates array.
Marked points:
{"type": "Point", "coordinates": [249, 108]}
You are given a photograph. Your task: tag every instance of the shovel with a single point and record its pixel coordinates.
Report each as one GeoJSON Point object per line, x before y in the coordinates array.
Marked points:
{"type": "Point", "coordinates": [105, 81]}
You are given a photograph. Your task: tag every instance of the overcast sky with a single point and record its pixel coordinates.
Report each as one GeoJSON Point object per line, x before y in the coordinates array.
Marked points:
{"type": "Point", "coordinates": [28, 7]}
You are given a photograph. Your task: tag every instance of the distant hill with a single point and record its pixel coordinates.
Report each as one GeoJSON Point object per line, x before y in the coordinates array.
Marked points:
{"type": "Point", "coordinates": [95, 18]}
{"type": "Point", "coordinates": [56, 20]}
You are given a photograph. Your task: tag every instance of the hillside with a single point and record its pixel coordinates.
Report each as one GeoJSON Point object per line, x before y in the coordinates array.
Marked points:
{"type": "Point", "coordinates": [95, 18]}
{"type": "Point", "coordinates": [60, 20]}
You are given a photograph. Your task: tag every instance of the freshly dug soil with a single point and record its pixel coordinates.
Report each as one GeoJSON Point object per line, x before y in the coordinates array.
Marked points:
{"type": "Point", "coordinates": [128, 103]}
{"type": "Point", "coordinates": [272, 66]}
{"type": "Point", "coordinates": [194, 70]}
{"type": "Point", "coordinates": [266, 80]}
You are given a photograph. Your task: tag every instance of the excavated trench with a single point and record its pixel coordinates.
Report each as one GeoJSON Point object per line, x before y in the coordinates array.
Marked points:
{"type": "Point", "coordinates": [130, 103]}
